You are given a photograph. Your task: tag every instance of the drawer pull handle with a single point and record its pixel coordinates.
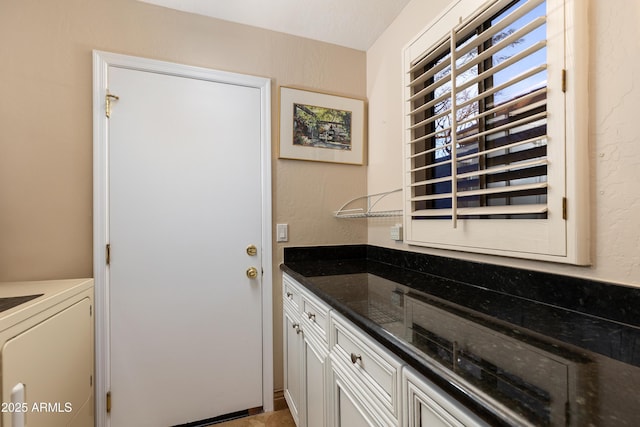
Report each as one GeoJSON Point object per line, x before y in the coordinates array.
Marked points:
{"type": "Point", "coordinates": [311, 316]}
{"type": "Point", "coordinates": [355, 358]}
{"type": "Point", "coordinates": [296, 326]}
{"type": "Point", "coordinates": [289, 295]}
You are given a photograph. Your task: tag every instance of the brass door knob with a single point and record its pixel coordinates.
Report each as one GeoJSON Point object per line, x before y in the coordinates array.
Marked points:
{"type": "Point", "coordinates": [252, 272]}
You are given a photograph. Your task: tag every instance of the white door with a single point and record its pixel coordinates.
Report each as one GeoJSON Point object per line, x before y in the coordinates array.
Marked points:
{"type": "Point", "coordinates": [184, 203]}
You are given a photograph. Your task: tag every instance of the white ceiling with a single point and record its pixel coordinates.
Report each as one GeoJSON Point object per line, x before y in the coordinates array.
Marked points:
{"type": "Point", "coordinates": [352, 23]}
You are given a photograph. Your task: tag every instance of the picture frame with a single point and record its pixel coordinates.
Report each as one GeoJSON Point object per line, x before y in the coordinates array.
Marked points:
{"type": "Point", "coordinates": [321, 127]}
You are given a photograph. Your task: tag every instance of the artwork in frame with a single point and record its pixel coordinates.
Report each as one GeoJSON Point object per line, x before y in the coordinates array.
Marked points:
{"type": "Point", "coordinates": [321, 127]}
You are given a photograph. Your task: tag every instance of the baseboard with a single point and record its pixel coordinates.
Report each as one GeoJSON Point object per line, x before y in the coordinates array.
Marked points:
{"type": "Point", "coordinates": [216, 420]}
{"type": "Point", "coordinates": [279, 402]}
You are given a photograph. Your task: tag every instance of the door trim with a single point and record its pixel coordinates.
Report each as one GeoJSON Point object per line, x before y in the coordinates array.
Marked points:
{"type": "Point", "coordinates": [101, 62]}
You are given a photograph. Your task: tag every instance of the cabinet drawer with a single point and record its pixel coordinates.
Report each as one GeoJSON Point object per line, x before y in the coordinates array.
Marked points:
{"type": "Point", "coordinates": [369, 363]}
{"type": "Point", "coordinates": [291, 293]}
{"type": "Point", "coordinates": [316, 314]}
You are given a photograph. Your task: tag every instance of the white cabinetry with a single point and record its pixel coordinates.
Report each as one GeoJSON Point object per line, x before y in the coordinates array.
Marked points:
{"type": "Point", "coordinates": [426, 405]}
{"type": "Point", "coordinates": [314, 379]}
{"type": "Point", "coordinates": [337, 375]}
{"type": "Point", "coordinates": [348, 407]}
{"type": "Point", "coordinates": [292, 361]}
{"type": "Point", "coordinates": [305, 355]}
{"type": "Point", "coordinates": [368, 367]}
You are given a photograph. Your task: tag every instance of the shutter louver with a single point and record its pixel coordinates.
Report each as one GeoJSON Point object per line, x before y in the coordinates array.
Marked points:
{"type": "Point", "coordinates": [478, 119]}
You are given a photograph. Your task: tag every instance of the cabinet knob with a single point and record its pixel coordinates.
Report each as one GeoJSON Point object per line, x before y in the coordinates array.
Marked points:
{"type": "Point", "coordinates": [289, 295]}
{"type": "Point", "coordinates": [355, 358]}
{"type": "Point", "coordinates": [311, 316]}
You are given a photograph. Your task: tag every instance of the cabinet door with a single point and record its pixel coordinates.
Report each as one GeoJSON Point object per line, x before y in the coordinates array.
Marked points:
{"type": "Point", "coordinates": [292, 340]}
{"type": "Point", "coordinates": [349, 415]}
{"type": "Point", "coordinates": [428, 417]}
{"type": "Point", "coordinates": [349, 408]}
{"type": "Point", "coordinates": [314, 389]}
{"type": "Point", "coordinates": [428, 406]}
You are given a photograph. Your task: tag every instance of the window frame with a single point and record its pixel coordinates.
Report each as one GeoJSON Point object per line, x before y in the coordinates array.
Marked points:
{"type": "Point", "coordinates": [564, 235]}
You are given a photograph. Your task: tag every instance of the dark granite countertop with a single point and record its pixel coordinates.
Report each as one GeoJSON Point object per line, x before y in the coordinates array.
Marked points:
{"type": "Point", "coordinates": [515, 346]}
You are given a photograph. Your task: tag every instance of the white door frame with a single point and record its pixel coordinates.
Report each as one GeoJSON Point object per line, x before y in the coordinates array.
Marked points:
{"type": "Point", "coordinates": [101, 62]}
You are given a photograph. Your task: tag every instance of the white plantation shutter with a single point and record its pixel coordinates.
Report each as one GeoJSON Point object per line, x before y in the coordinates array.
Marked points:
{"type": "Point", "coordinates": [485, 137]}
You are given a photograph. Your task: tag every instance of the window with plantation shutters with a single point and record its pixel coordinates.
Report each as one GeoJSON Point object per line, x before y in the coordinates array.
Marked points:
{"type": "Point", "coordinates": [486, 141]}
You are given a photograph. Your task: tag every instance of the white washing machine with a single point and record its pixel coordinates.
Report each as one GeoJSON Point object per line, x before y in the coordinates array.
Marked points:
{"type": "Point", "coordinates": [47, 353]}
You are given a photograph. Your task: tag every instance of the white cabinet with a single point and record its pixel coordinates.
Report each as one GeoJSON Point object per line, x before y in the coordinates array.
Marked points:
{"type": "Point", "coordinates": [365, 366]}
{"type": "Point", "coordinates": [291, 293]}
{"type": "Point", "coordinates": [314, 379]}
{"type": "Point", "coordinates": [426, 405]}
{"type": "Point", "coordinates": [337, 375]}
{"type": "Point", "coordinates": [292, 339]}
{"type": "Point", "coordinates": [348, 407]}
{"type": "Point", "coordinates": [305, 355]}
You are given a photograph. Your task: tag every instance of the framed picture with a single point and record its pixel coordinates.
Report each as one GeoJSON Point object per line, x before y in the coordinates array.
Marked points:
{"type": "Point", "coordinates": [321, 127]}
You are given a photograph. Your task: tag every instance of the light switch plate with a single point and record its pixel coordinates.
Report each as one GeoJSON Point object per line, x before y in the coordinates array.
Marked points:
{"type": "Point", "coordinates": [282, 232]}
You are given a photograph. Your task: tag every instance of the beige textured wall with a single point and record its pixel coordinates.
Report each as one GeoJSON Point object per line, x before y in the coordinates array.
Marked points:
{"type": "Point", "coordinates": [46, 124]}
{"type": "Point", "coordinates": [614, 140]}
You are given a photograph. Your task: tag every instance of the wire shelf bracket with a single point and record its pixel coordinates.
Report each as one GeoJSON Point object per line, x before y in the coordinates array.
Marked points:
{"type": "Point", "coordinates": [371, 201]}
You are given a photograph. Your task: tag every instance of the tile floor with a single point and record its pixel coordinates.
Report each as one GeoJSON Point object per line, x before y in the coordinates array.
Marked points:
{"type": "Point", "coordinates": [280, 418]}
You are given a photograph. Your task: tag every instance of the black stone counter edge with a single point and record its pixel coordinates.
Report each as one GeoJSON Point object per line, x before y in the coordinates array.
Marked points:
{"type": "Point", "coordinates": [416, 360]}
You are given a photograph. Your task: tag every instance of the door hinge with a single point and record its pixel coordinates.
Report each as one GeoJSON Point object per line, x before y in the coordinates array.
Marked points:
{"type": "Point", "coordinates": [90, 311]}
{"type": "Point", "coordinates": [108, 254]}
{"type": "Point", "coordinates": [108, 402]}
{"type": "Point", "coordinates": [564, 80]}
{"type": "Point", "coordinates": [107, 103]}
{"type": "Point", "coordinates": [564, 208]}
